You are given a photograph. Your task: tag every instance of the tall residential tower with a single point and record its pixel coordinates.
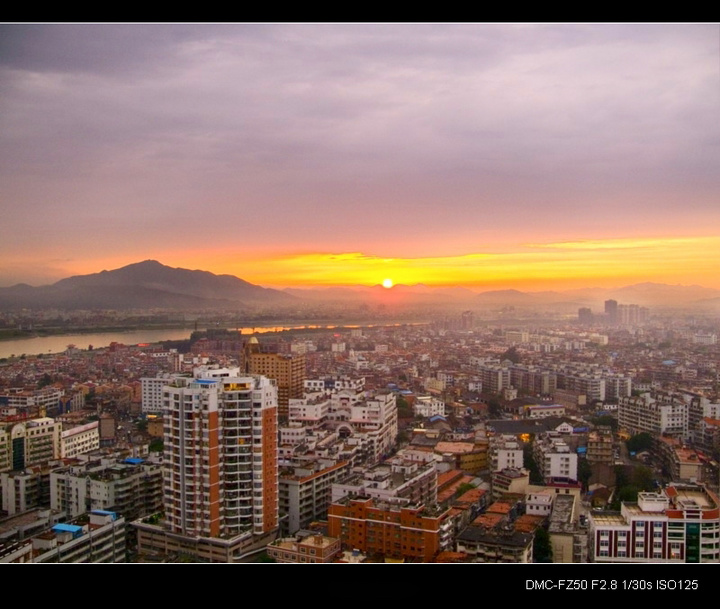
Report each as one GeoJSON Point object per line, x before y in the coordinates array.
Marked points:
{"type": "Point", "coordinates": [220, 466]}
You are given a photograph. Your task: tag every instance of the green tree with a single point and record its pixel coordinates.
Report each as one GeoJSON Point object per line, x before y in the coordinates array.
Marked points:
{"type": "Point", "coordinates": [264, 558]}
{"type": "Point", "coordinates": [45, 381]}
{"type": "Point", "coordinates": [156, 445]}
{"type": "Point", "coordinates": [531, 465]}
{"type": "Point", "coordinates": [639, 442]}
{"type": "Point", "coordinates": [463, 488]}
{"type": "Point", "coordinates": [605, 420]}
{"type": "Point", "coordinates": [643, 478]}
{"type": "Point", "coordinates": [494, 408]}
{"type": "Point", "coordinates": [628, 494]}
{"type": "Point", "coordinates": [584, 473]}
{"type": "Point", "coordinates": [512, 354]}
{"type": "Point", "coordinates": [404, 409]}
{"type": "Point", "coordinates": [542, 549]}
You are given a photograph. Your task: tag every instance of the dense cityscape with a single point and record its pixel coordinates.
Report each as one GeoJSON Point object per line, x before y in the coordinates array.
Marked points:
{"type": "Point", "coordinates": [421, 293]}
{"type": "Point", "coordinates": [487, 436]}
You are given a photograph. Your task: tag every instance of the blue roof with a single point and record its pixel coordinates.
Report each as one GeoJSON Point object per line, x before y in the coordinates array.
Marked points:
{"type": "Point", "coordinates": [104, 512]}
{"type": "Point", "coordinates": [68, 528]}
{"type": "Point", "coordinates": [134, 460]}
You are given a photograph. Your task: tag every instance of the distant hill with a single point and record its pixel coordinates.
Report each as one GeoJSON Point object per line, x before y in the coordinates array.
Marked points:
{"type": "Point", "coordinates": [644, 294]}
{"type": "Point", "coordinates": [143, 285]}
{"type": "Point", "coordinates": [150, 284]}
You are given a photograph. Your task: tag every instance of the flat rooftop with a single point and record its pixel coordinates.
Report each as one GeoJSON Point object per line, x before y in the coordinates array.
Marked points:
{"type": "Point", "coordinates": [685, 498]}
{"type": "Point", "coordinates": [291, 543]}
{"type": "Point", "coordinates": [608, 518]}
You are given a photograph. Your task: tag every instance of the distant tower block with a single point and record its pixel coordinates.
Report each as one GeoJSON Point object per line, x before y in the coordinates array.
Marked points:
{"type": "Point", "coordinates": [286, 369]}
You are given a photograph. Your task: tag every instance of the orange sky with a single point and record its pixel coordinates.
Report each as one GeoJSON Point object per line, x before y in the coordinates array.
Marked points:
{"type": "Point", "coordinates": [527, 156]}
{"type": "Point", "coordinates": [527, 266]}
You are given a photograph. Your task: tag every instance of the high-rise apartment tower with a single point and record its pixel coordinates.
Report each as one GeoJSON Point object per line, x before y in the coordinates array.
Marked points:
{"type": "Point", "coordinates": [220, 479]}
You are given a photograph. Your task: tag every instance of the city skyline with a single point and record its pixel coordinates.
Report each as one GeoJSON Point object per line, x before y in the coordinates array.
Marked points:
{"type": "Point", "coordinates": [484, 155]}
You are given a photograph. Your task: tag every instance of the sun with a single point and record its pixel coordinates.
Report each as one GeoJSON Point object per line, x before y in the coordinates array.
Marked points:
{"type": "Point", "coordinates": [387, 283]}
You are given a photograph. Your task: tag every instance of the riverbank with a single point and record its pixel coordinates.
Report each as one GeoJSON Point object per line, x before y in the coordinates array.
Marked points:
{"type": "Point", "coordinates": [96, 338]}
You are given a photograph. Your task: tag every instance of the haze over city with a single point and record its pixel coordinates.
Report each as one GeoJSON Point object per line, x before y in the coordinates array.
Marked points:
{"type": "Point", "coordinates": [490, 156]}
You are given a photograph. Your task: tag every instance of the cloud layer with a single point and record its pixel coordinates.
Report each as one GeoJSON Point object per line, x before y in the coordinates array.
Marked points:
{"type": "Point", "coordinates": [225, 144]}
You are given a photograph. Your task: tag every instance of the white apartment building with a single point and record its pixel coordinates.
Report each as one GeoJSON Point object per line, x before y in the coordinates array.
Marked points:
{"type": "Point", "coordinates": [554, 458]}
{"type": "Point", "coordinates": [679, 524]}
{"type": "Point", "coordinates": [79, 440]}
{"type": "Point", "coordinates": [132, 488]}
{"type": "Point", "coordinates": [655, 413]}
{"type": "Point", "coordinates": [375, 415]}
{"type": "Point", "coordinates": [428, 406]}
{"type": "Point", "coordinates": [99, 540]}
{"type": "Point", "coordinates": [152, 392]}
{"type": "Point", "coordinates": [312, 410]}
{"type": "Point", "coordinates": [41, 399]}
{"type": "Point", "coordinates": [506, 453]}
{"type": "Point", "coordinates": [396, 481]}
{"type": "Point", "coordinates": [29, 443]}
{"type": "Point", "coordinates": [305, 492]}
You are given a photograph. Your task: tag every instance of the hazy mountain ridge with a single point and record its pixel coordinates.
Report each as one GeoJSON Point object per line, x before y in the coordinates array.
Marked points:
{"type": "Point", "coordinates": [643, 294]}
{"type": "Point", "coordinates": [150, 284]}
{"type": "Point", "coordinates": [143, 285]}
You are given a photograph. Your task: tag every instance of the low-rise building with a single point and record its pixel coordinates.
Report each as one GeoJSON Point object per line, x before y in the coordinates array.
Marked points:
{"type": "Point", "coordinates": [511, 480]}
{"type": "Point", "coordinates": [79, 439]}
{"type": "Point", "coordinates": [395, 481]}
{"type": "Point", "coordinates": [305, 492]}
{"type": "Point", "coordinates": [97, 537]}
{"type": "Point", "coordinates": [413, 532]}
{"type": "Point", "coordinates": [132, 487]}
{"type": "Point", "coordinates": [497, 544]}
{"type": "Point", "coordinates": [310, 548]}
{"type": "Point", "coordinates": [554, 458]}
{"type": "Point", "coordinates": [600, 446]}
{"type": "Point", "coordinates": [428, 406]}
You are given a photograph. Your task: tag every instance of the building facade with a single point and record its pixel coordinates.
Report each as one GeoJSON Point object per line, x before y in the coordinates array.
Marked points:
{"type": "Point", "coordinates": [220, 482]}
{"type": "Point", "coordinates": [680, 524]}
{"type": "Point", "coordinates": [408, 532]}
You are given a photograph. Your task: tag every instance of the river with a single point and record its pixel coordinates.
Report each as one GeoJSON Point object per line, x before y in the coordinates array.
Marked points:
{"type": "Point", "coordinates": [57, 344]}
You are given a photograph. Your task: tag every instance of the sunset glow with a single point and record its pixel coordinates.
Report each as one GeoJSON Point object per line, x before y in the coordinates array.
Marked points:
{"type": "Point", "coordinates": [489, 156]}
{"type": "Point", "coordinates": [531, 266]}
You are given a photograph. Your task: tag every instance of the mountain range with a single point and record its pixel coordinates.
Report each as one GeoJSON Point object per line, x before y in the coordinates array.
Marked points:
{"type": "Point", "coordinates": [150, 284]}
{"type": "Point", "coordinates": [144, 285]}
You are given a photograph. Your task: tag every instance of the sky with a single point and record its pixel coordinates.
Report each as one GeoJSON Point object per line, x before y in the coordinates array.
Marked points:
{"type": "Point", "coordinates": [492, 156]}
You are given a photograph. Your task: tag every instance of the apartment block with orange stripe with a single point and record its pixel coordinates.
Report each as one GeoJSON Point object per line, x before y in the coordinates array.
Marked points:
{"type": "Point", "coordinates": [220, 480]}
